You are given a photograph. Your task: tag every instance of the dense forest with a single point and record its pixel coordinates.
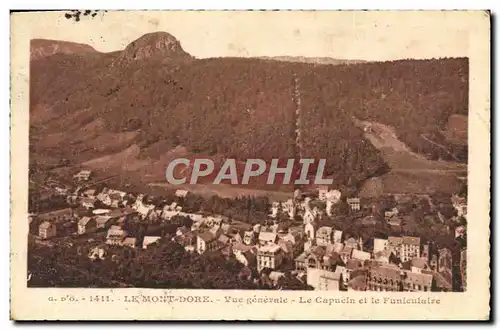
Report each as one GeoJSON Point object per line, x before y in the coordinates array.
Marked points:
{"type": "Point", "coordinates": [415, 97]}
{"type": "Point", "coordinates": [243, 108]}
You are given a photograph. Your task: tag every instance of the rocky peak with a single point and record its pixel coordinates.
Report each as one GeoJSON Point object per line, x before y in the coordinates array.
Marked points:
{"type": "Point", "coordinates": [160, 45]}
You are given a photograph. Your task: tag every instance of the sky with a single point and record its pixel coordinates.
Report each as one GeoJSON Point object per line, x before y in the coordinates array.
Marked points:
{"type": "Point", "coordinates": [374, 36]}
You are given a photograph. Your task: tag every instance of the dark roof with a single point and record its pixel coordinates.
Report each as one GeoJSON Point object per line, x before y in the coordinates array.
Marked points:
{"type": "Point", "coordinates": [411, 240]}
{"type": "Point", "coordinates": [393, 273]}
{"type": "Point", "coordinates": [319, 251]}
{"type": "Point", "coordinates": [353, 264]}
{"type": "Point", "coordinates": [206, 236]}
{"type": "Point", "coordinates": [419, 278]}
{"type": "Point", "coordinates": [358, 283]}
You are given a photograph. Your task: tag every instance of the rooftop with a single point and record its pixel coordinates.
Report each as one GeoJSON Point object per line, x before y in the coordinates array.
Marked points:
{"type": "Point", "coordinates": [45, 225]}
{"type": "Point", "coordinates": [206, 236]}
{"type": "Point", "coordinates": [411, 240]}
{"type": "Point", "coordinates": [267, 236]}
{"type": "Point", "coordinates": [270, 248]}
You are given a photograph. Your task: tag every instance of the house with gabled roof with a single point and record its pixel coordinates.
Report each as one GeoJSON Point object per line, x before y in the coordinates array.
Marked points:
{"type": "Point", "coordinates": [267, 238]}
{"type": "Point", "coordinates": [206, 242]}
{"type": "Point", "coordinates": [360, 255]}
{"type": "Point", "coordinates": [115, 235]}
{"type": "Point", "coordinates": [249, 237]}
{"type": "Point", "coordinates": [324, 236]}
{"type": "Point", "coordinates": [103, 221]}
{"type": "Point", "coordinates": [324, 280]}
{"type": "Point", "coordinates": [269, 256]}
{"type": "Point", "coordinates": [148, 240]}
{"type": "Point", "coordinates": [86, 225]}
{"type": "Point", "coordinates": [47, 230]}
{"type": "Point", "coordinates": [87, 202]}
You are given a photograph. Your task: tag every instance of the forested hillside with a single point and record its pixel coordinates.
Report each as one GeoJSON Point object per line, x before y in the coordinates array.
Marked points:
{"type": "Point", "coordinates": [237, 107]}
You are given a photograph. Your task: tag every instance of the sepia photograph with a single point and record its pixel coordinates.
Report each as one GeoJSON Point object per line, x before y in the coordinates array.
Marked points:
{"type": "Point", "coordinates": [193, 152]}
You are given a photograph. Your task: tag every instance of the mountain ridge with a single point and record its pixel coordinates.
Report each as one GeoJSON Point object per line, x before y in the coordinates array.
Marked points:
{"type": "Point", "coordinates": [40, 48]}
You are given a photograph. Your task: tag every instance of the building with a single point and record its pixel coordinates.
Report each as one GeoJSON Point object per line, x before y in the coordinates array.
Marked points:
{"type": "Point", "coordinates": [223, 239]}
{"type": "Point", "coordinates": [383, 257]}
{"type": "Point", "coordinates": [269, 256]}
{"type": "Point", "coordinates": [87, 202]}
{"type": "Point", "coordinates": [337, 247]}
{"type": "Point", "coordinates": [385, 278]}
{"type": "Point", "coordinates": [324, 236]}
{"type": "Point", "coordinates": [395, 222]}
{"type": "Point", "coordinates": [351, 243]}
{"type": "Point", "coordinates": [249, 238]}
{"type": "Point", "coordinates": [394, 245]}
{"type": "Point", "coordinates": [86, 225]}
{"type": "Point", "coordinates": [47, 230]}
{"type": "Point", "coordinates": [417, 281]}
{"type": "Point", "coordinates": [346, 253]}
{"type": "Point", "coordinates": [337, 236]}
{"type": "Point", "coordinates": [287, 248]}
{"type": "Point", "coordinates": [391, 213]}
{"type": "Point", "coordinates": [188, 240]}
{"type": "Point", "coordinates": [290, 238]}
{"type": "Point", "coordinates": [333, 196]}
{"type": "Point", "coordinates": [206, 242]}
{"type": "Point", "coordinates": [82, 175]}
{"type": "Point", "coordinates": [379, 245]}
{"type": "Point", "coordinates": [149, 240]}
{"type": "Point", "coordinates": [324, 280]}
{"type": "Point", "coordinates": [130, 242]}
{"type": "Point", "coordinates": [310, 230]}
{"type": "Point", "coordinates": [326, 195]}
{"type": "Point", "coordinates": [317, 257]}
{"type": "Point", "coordinates": [275, 207]}
{"type": "Point", "coordinates": [267, 238]}
{"type": "Point", "coordinates": [103, 221]}
{"type": "Point", "coordinates": [354, 203]}
{"type": "Point", "coordinates": [329, 208]}
{"type": "Point", "coordinates": [115, 235]}
{"type": "Point", "coordinates": [311, 215]}
{"type": "Point", "coordinates": [410, 248]}
{"type": "Point", "coordinates": [235, 236]}
{"type": "Point", "coordinates": [351, 266]}
{"type": "Point", "coordinates": [392, 278]}
{"type": "Point", "coordinates": [322, 191]}
{"type": "Point", "coordinates": [404, 248]}
{"type": "Point", "coordinates": [357, 283]}
{"type": "Point", "coordinates": [114, 200]}
{"type": "Point", "coordinates": [360, 255]}
{"type": "Point", "coordinates": [247, 255]}
{"type": "Point", "coordinates": [289, 207]}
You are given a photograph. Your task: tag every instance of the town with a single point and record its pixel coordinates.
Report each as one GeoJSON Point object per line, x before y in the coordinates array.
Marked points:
{"type": "Point", "coordinates": [315, 240]}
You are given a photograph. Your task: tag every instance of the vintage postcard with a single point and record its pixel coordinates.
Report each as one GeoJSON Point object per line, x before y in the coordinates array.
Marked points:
{"type": "Point", "coordinates": [250, 165]}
